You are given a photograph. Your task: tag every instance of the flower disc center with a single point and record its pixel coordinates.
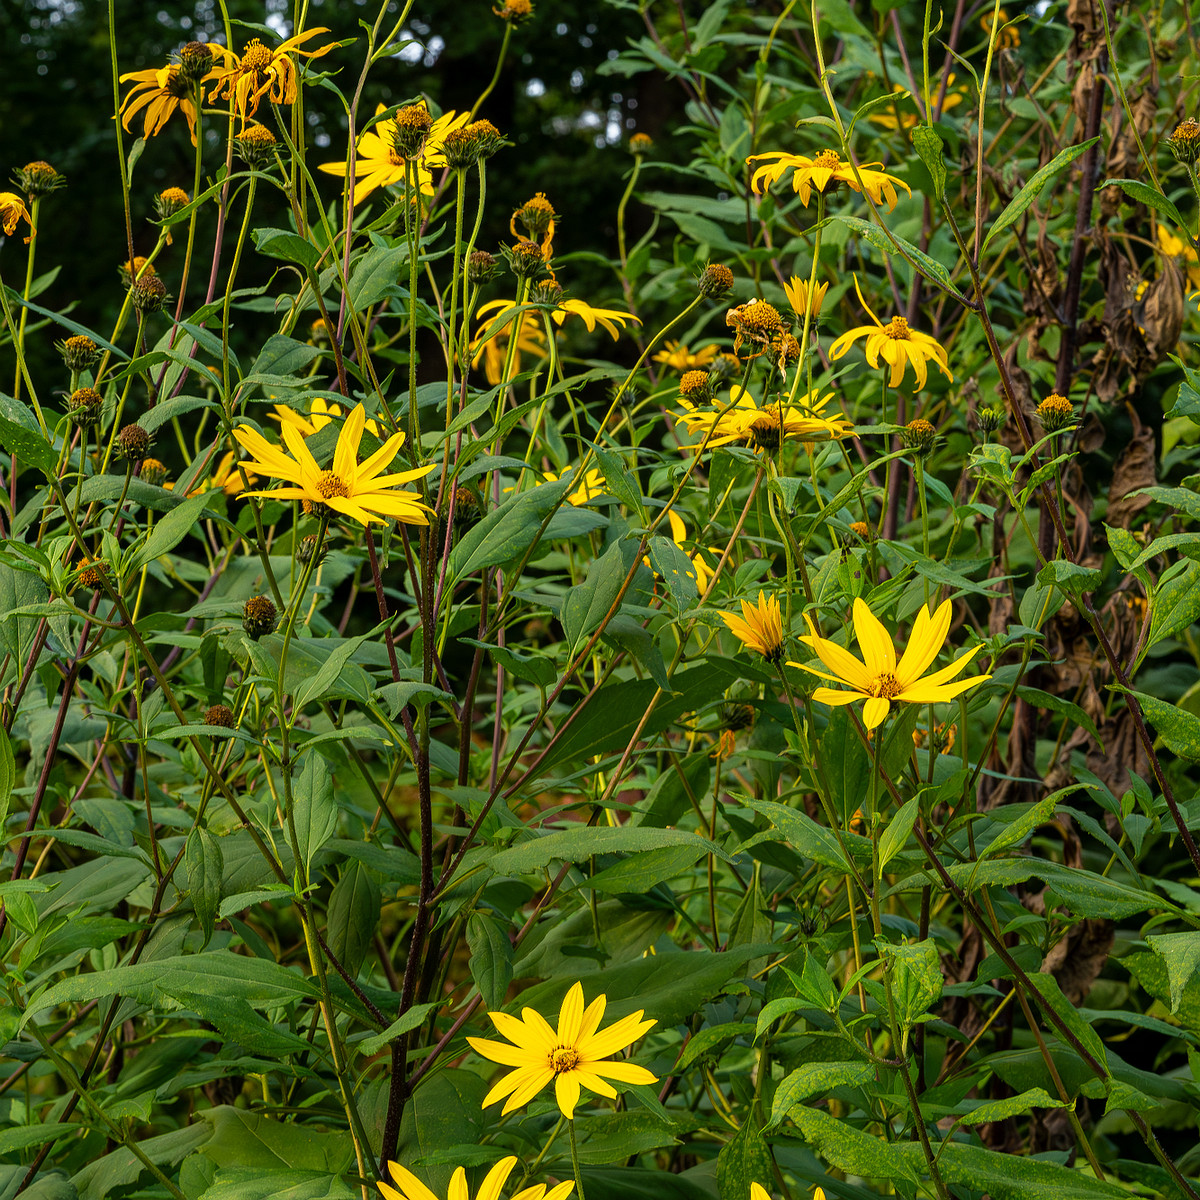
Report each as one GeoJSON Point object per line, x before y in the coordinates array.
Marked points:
{"type": "Point", "coordinates": [329, 484]}
{"type": "Point", "coordinates": [897, 329]}
{"type": "Point", "coordinates": [828, 160]}
{"type": "Point", "coordinates": [563, 1058]}
{"type": "Point", "coordinates": [887, 687]}
{"type": "Point", "coordinates": [257, 57]}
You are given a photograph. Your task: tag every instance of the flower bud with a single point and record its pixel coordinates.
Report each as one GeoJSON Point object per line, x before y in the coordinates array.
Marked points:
{"type": "Point", "coordinates": [85, 406]}
{"type": "Point", "coordinates": [259, 617]}
{"type": "Point", "coordinates": [37, 179]}
{"type": "Point", "coordinates": [195, 61]}
{"type": "Point", "coordinates": [92, 572]}
{"type": "Point", "coordinates": [220, 715]}
{"type": "Point", "coordinates": [918, 436]}
{"type": "Point", "coordinates": [537, 215]}
{"type": "Point", "coordinates": [169, 201]}
{"type": "Point", "coordinates": [696, 387]}
{"type": "Point", "coordinates": [410, 128]}
{"type": "Point", "coordinates": [1055, 412]}
{"type": "Point", "coordinates": [525, 259]}
{"type": "Point", "coordinates": [515, 11]}
{"type": "Point", "coordinates": [153, 472]}
{"type": "Point", "coordinates": [133, 442]}
{"type": "Point", "coordinates": [488, 139]}
{"type": "Point", "coordinates": [1185, 141]}
{"type": "Point", "coordinates": [990, 419]}
{"type": "Point", "coordinates": [715, 280]}
{"type": "Point", "coordinates": [78, 352]}
{"type": "Point", "coordinates": [256, 146]}
{"type": "Point", "coordinates": [641, 143]}
{"type": "Point", "coordinates": [481, 267]}
{"type": "Point", "coordinates": [149, 294]}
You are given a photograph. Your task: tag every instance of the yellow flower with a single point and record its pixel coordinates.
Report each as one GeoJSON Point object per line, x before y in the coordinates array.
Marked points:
{"type": "Point", "coordinates": [162, 90]}
{"type": "Point", "coordinates": [380, 164]}
{"type": "Point", "coordinates": [679, 358]}
{"type": "Point", "coordinates": [760, 627]}
{"type": "Point", "coordinates": [610, 318]}
{"type": "Point", "coordinates": [1009, 37]}
{"type": "Point", "coordinates": [493, 349]}
{"type": "Point", "coordinates": [321, 412]}
{"type": "Point", "coordinates": [227, 477]}
{"type": "Point", "coordinates": [799, 299]}
{"type": "Point", "coordinates": [818, 172]}
{"type": "Point", "coordinates": [409, 1187]}
{"type": "Point", "coordinates": [879, 678]}
{"type": "Point", "coordinates": [573, 1056]}
{"type": "Point", "coordinates": [1176, 247]}
{"type": "Point", "coordinates": [742, 420]}
{"type": "Point", "coordinates": [590, 487]}
{"type": "Point", "coordinates": [265, 74]}
{"type": "Point", "coordinates": [896, 344]}
{"type": "Point", "coordinates": [354, 489]}
{"type": "Point", "coordinates": [12, 210]}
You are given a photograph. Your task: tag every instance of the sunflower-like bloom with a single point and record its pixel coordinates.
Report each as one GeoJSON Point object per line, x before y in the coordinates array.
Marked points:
{"type": "Point", "coordinates": [679, 358]}
{"type": "Point", "coordinates": [760, 627]}
{"type": "Point", "coordinates": [879, 678]}
{"type": "Point", "coordinates": [380, 164]}
{"type": "Point", "coordinates": [163, 90]}
{"type": "Point", "coordinates": [263, 74]}
{"type": "Point", "coordinates": [12, 210]}
{"type": "Point", "coordinates": [573, 1056]}
{"type": "Point", "coordinates": [765, 428]}
{"type": "Point", "coordinates": [818, 172]}
{"type": "Point", "coordinates": [409, 1187]}
{"type": "Point", "coordinates": [609, 318]}
{"type": "Point", "coordinates": [320, 413]}
{"type": "Point", "coordinates": [897, 344]}
{"type": "Point", "coordinates": [802, 301]}
{"type": "Point", "coordinates": [493, 349]}
{"type": "Point", "coordinates": [893, 116]}
{"type": "Point", "coordinates": [1176, 247]}
{"type": "Point", "coordinates": [590, 487]}
{"type": "Point", "coordinates": [354, 489]}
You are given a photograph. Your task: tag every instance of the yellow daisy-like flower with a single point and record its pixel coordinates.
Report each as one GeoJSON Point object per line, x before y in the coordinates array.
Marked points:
{"type": "Point", "coordinates": [227, 477]}
{"type": "Point", "coordinates": [163, 90]}
{"type": "Point", "coordinates": [897, 344]}
{"type": "Point", "coordinates": [320, 413]}
{"type": "Point", "coordinates": [493, 350]}
{"type": "Point", "coordinates": [12, 210]}
{"type": "Point", "coordinates": [767, 427]}
{"type": "Point", "coordinates": [1176, 247]}
{"type": "Point", "coordinates": [760, 627]}
{"type": "Point", "coordinates": [354, 489]}
{"type": "Point", "coordinates": [892, 116]}
{"type": "Point", "coordinates": [800, 299]}
{"type": "Point", "coordinates": [591, 486]}
{"type": "Point", "coordinates": [703, 571]}
{"type": "Point", "coordinates": [609, 318]}
{"type": "Point", "coordinates": [380, 164]}
{"type": "Point", "coordinates": [879, 678]}
{"type": "Point", "coordinates": [409, 1187]}
{"type": "Point", "coordinates": [573, 1056]}
{"type": "Point", "coordinates": [263, 74]}
{"type": "Point", "coordinates": [820, 171]}
{"type": "Point", "coordinates": [679, 358]}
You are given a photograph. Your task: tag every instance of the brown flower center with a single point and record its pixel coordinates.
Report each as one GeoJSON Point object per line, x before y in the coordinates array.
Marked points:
{"type": "Point", "coordinates": [329, 485]}
{"type": "Point", "coordinates": [828, 160]}
{"type": "Point", "coordinates": [897, 329]}
{"type": "Point", "coordinates": [563, 1058]}
{"type": "Point", "coordinates": [257, 57]}
{"type": "Point", "coordinates": [887, 686]}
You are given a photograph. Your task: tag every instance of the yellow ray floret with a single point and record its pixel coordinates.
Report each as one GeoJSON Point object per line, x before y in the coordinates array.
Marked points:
{"type": "Point", "coordinates": [760, 627]}
{"type": "Point", "coordinates": [819, 171]}
{"type": "Point", "coordinates": [879, 678]}
{"type": "Point", "coordinates": [409, 1187]}
{"type": "Point", "coordinates": [574, 1055]}
{"type": "Point", "coordinates": [355, 489]}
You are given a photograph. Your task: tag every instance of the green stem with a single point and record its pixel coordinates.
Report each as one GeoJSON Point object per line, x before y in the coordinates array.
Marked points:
{"type": "Point", "coordinates": [575, 1162]}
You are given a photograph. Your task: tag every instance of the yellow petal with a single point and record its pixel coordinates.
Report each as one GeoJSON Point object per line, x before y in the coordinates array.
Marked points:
{"type": "Point", "coordinates": [879, 655]}
{"type": "Point", "coordinates": [566, 1092]}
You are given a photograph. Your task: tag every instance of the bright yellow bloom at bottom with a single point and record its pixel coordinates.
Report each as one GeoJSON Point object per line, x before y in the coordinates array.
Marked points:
{"type": "Point", "coordinates": [879, 678]}
{"type": "Point", "coordinates": [409, 1187]}
{"type": "Point", "coordinates": [356, 490]}
{"type": "Point", "coordinates": [571, 1057]}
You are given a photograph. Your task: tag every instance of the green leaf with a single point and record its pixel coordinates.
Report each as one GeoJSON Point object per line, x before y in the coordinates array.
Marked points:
{"type": "Point", "coordinates": [916, 978]}
{"type": "Point", "coordinates": [898, 828]}
{"type": "Point", "coordinates": [622, 482]}
{"type": "Point", "coordinates": [1024, 821]}
{"type": "Point", "coordinates": [1181, 953]}
{"type": "Point", "coordinates": [506, 532]}
{"type": "Point", "coordinates": [445, 1110]}
{"type": "Point", "coordinates": [169, 531]}
{"type": "Point", "coordinates": [1178, 728]}
{"type": "Point", "coordinates": [1082, 1030]}
{"type": "Point", "coordinates": [8, 775]}
{"type": "Point", "coordinates": [1176, 605]}
{"type": "Point", "coordinates": [282, 1183]}
{"type": "Point", "coordinates": [613, 1137]}
{"type": "Point", "coordinates": [291, 247]}
{"type": "Point", "coordinates": [805, 836]}
{"type": "Point", "coordinates": [586, 606]}
{"type": "Point", "coordinates": [1013, 1177]}
{"type": "Point", "coordinates": [929, 267]}
{"type": "Point", "coordinates": [815, 1079]}
{"type": "Point", "coordinates": [646, 869]}
{"type": "Point", "coordinates": [677, 571]}
{"type": "Point", "coordinates": [313, 807]}
{"type": "Point", "coordinates": [533, 668]}
{"type": "Point", "coordinates": [205, 866]}
{"type": "Point", "coordinates": [376, 275]}
{"type": "Point", "coordinates": [1143, 193]}
{"type": "Point", "coordinates": [314, 688]}
{"type": "Point", "coordinates": [1033, 188]}
{"type": "Point", "coordinates": [928, 144]}
{"type": "Point", "coordinates": [1074, 714]}
{"type": "Point", "coordinates": [353, 915]}
{"type": "Point", "coordinates": [411, 1019]}
{"type": "Point", "coordinates": [743, 1160]}
{"type": "Point", "coordinates": [30, 446]}
{"type": "Point", "coordinates": [283, 355]}
{"type": "Point", "coordinates": [851, 1150]}
{"type": "Point", "coordinates": [250, 1139]}
{"type": "Point", "coordinates": [1070, 577]}
{"type": "Point", "coordinates": [491, 958]}
{"type": "Point", "coordinates": [1010, 1106]}
{"type": "Point", "coordinates": [24, 1137]}
{"type": "Point", "coordinates": [575, 845]}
